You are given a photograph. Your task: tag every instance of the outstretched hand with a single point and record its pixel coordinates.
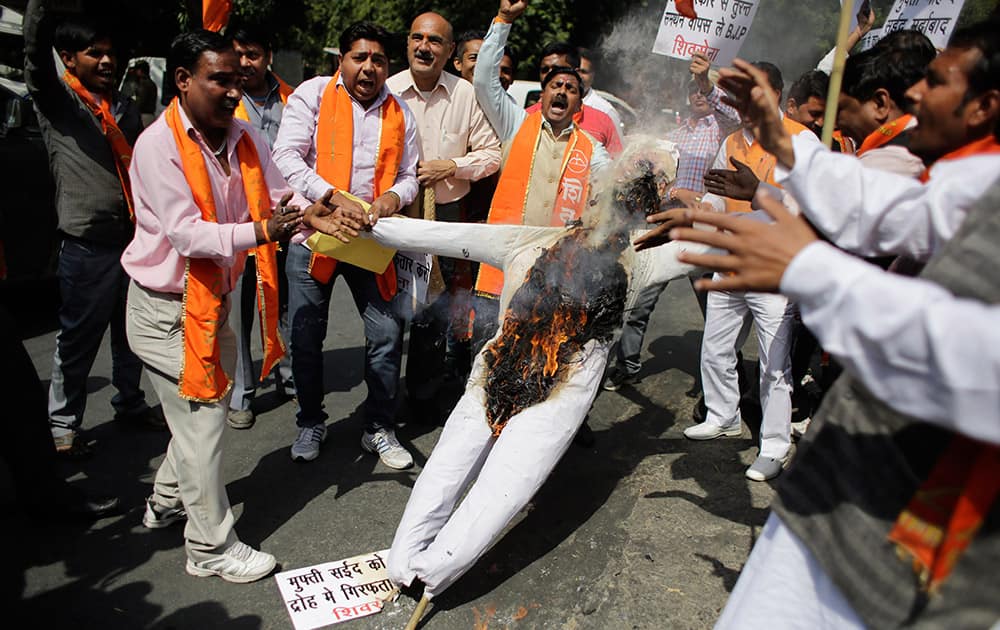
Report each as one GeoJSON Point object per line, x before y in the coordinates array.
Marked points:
{"type": "Point", "coordinates": [759, 252]}
{"type": "Point", "coordinates": [339, 222]}
{"type": "Point", "coordinates": [740, 184]}
{"type": "Point", "coordinates": [751, 94]}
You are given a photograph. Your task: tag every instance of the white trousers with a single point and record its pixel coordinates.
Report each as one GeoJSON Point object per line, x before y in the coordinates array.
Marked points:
{"type": "Point", "coordinates": [783, 587]}
{"type": "Point", "coordinates": [191, 472]}
{"type": "Point", "coordinates": [726, 314]}
{"type": "Point", "coordinates": [437, 542]}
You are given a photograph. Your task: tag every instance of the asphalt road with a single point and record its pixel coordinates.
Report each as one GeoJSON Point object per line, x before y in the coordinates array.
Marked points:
{"type": "Point", "coordinates": [643, 530]}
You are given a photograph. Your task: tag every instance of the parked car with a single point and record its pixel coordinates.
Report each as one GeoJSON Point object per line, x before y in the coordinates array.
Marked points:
{"type": "Point", "coordinates": [527, 93]}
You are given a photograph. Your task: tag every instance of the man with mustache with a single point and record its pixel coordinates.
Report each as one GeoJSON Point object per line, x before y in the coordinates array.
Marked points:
{"type": "Point", "coordinates": [206, 193]}
{"type": "Point", "coordinates": [89, 130]}
{"type": "Point", "coordinates": [457, 147]}
{"type": "Point", "coordinates": [547, 158]}
{"type": "Point", "coordinates": [348, 134]}
{"type": "Point", "coordinates": [263, 101]}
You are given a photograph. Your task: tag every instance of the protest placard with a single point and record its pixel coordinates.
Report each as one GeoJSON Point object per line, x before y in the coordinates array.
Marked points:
{"type": "Point", "coordinates": [413, 274]}
{"type": "Point", "coordinates": [718, 32]}
{"type": "Point", "coordinates": [934, 18]}
{"type": "Point", "coordinates": [329, 593]}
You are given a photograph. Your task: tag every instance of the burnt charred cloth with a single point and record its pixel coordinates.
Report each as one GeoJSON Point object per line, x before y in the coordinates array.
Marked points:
{"type": "Point", "coordinates": [573, 293]}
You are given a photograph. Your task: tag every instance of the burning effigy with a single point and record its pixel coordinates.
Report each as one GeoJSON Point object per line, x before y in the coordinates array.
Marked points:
{"type": "Point", "coordinates": [565, 293]}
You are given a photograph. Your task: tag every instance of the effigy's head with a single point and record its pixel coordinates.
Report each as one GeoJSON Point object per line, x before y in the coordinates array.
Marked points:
{"type": "Point", "coordinates": [634, 186]}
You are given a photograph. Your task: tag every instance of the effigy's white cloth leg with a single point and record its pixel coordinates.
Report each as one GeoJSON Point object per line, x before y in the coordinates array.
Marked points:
{"type": "Point", "coordinates": [455, 461]}
{"type": "Point", "coordinates": [516, 466]}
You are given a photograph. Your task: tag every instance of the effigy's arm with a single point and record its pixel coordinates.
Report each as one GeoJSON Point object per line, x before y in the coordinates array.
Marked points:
{"type": "Point", "coordinates": [481, 242]}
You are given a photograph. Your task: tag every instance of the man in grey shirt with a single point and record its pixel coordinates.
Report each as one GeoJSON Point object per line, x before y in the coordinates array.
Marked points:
{"type": "Point", "coordinates": [89, 130]}
{"type": "Point", "coordinates": [263, 102]}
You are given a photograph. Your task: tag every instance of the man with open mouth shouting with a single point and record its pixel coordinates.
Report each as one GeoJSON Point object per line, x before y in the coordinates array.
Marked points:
{"type": "Point", "coordinates": [547, 159]}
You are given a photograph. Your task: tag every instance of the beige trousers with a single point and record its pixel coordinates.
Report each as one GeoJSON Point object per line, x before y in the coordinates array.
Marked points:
{"type": "Point", "coordinates": [191, 473]}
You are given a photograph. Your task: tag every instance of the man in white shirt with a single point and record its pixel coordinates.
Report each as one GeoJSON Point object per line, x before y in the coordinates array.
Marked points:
{"type": "Point", "coordinates": [916, 352]}
{"type": "Point", "coordinates": [457, 146]}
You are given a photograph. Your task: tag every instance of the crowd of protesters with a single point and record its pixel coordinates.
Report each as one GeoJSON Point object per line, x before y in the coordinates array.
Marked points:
{"type": "Point", "coordinates": [865, 272]}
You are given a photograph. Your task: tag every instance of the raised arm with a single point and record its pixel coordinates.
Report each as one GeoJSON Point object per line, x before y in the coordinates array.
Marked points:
{"type": "Point", "coordinates": [44, 85]}
{"type": "Point", "coordinates": [502, 112]}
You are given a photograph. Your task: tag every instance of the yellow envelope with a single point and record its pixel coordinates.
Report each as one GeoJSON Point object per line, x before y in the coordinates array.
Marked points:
{"type": "Point", "coordinates": [360, 252]}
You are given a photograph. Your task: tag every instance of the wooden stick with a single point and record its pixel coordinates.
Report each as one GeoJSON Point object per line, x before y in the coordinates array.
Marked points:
{"type": "Point", "coordinates": [418, 613]}
{"type": "Point", "coordinates": [837, 76]}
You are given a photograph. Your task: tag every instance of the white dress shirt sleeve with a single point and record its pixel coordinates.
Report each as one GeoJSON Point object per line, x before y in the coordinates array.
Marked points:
{"type": "Point", "coordinates": [914, 345]}
{"type": "Point", "coordinates": [295, 147]}
{"type": "Point", "coordinates": [502, 112]}
{"type": "Point", "coordinates": [874, 213]}
{"type": "Point", "coordinates": [483, 158]}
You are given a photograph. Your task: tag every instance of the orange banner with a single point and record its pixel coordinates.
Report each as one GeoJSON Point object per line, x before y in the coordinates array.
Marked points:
{"type": "Point", "coordinates": [215, 14]}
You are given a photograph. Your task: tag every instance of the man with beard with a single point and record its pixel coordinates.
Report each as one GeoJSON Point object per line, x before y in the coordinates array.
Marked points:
{"type": "Point", "coordinates": [547, 159]}
{"type": "Point", "coordinates": [205, 187]}
{"type": "Point", "coordinates": [89, 131]}
{"type": "Point", "coordinates": [348, 134]}
{"type": "Point", "coordinates": [457, 146]}
{"type": "Point", "coordinates": [889, 516]}
{"type": "Point", "coordinates": [264, 97]}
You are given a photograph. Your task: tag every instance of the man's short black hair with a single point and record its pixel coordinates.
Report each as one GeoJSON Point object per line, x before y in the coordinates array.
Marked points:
{"type": "Point", "coordinates": [893, 67]}
{"type": "Point", "coordinates": [247, 34]}
{"type": "Point", "coordinates": [557, 70]}
{"type": "Point", "coordinates": [78, 34]}
{"type": "Point", "coordinates": [773, 75]}
{"type": "Point", "coordinates": [465, 38]}
{"type": "Point", "coordinates": [984, 37]}
{"type": "Point", "coordinates": [814, 83]}
{"type": "Point", "coordinates": [907, 41]}
{"type": "Point", "coordinates": [142, 65]}
{"type": "Point", "coordinates": [187, 48]}
{"type": "Point", "coordinates": [511, 52]}
{"type": "Point", "coordinates": [585, 54]}
{"type": "Point", "coordinates": [364, 30]}
{"type": "Point", "coordinates": [562, 48]}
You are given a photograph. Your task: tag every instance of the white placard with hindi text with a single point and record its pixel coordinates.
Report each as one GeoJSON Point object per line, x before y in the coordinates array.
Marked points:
{"type": "Point", "coordinates": [413, 274]}
{"type": "Point", "coordinates": [332, 592]}
{"type": "Point", "coordinates": [718, 32]}
{"type": "Point", "coordinates": [934, 18]}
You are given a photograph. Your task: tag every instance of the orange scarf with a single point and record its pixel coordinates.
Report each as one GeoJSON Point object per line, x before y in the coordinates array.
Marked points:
{"type": "Point", "coordinates": [202, 378]}
{"type": "Point", "coordinates": [335, 159]}
{"type": "Point", "coordinates": [284, 91]}
{"type": "Point", "coordinates": [215, 14]}
{"type": "Point", "coordinates": [121, 150]}
{"type": "Point", "coordinates": [512, 189]}
{"type": "Point", "coordinates": [983, 146]}
{"type": "Point", "coordinates": [885, 134]}
{"type": "Point", "coordinates": [753, 155]}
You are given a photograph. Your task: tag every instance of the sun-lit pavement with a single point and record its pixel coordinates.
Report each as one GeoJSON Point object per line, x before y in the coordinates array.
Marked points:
{"type": "Point", "coordinates": [643, 530]}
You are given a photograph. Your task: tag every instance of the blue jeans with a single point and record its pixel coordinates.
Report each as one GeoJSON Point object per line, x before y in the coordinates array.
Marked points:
{"type": "Point", "coordinates": [242, 318]}
{"type": "Point", "coordinates": [308, 310]}
{"type": "Point", "coordinates": [92, 285]}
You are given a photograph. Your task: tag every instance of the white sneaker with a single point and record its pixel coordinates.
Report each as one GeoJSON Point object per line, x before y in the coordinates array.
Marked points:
{"type": "Point", "coordinates": [306, 445]}
{"type": "Point", "coordinates": [709, 431]}
{"type": "Point", "coordinates": [241, 563]}
{"type": "Point", "coordinates": [384, 443]}
{"type": "Point", "coordinates": [157, 517]}
{"type": "Point", "coordinates": [764, 468]}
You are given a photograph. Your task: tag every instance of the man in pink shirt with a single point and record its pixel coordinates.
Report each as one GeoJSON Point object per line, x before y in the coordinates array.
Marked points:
{"type": "Point", "coordinates": [174, 236]}
{"type": "Point", "coordinates": [361, 170]}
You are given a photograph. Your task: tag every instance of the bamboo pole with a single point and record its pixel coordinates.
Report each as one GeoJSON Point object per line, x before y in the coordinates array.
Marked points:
{"type": "Point", "coordinates": [837, 76]}
{"type": "Point", "coordinates": [418, 613]}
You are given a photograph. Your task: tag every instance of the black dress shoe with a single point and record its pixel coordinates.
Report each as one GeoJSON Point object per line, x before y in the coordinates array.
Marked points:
{"type": "Point", "coordinates": [584, 435]}
{"type": "Point", "coordinates": [92, 507]}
